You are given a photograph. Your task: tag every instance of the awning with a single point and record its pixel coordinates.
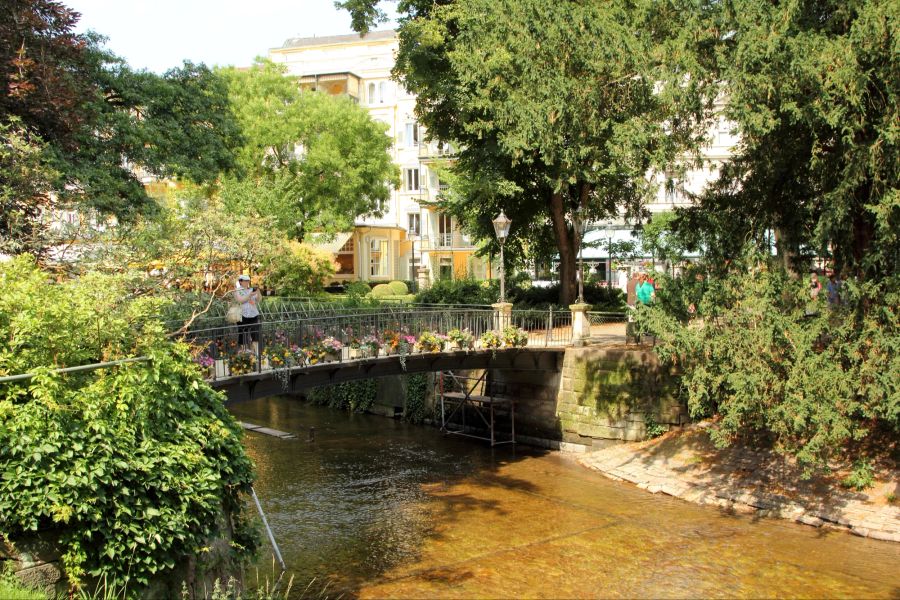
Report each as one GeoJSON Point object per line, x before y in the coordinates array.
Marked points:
{"type": "Point", "coordinates": [332, 246]}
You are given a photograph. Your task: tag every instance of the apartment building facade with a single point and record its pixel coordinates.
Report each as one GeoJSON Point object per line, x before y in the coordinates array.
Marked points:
{"type": "Point", "coordinates": [412, 238]}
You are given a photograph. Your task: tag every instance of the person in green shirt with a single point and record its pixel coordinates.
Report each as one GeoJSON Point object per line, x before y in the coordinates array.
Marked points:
{"type": "Point", "coordinates": [645, 290]}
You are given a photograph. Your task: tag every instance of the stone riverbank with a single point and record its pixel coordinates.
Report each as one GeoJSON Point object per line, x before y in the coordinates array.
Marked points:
{"type": "Point", "coordinates": [686, 465]}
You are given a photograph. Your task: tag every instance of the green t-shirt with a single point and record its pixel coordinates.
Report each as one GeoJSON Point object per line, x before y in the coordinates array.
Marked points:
{"type": "Point", "coordinates": [645, 292]}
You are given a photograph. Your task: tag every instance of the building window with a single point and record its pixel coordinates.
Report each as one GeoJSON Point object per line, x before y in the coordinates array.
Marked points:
{"type": "Point", "coordinates": [371, 93]}
{"type": "Point", "coordinates": [411, 179]}
{"type": "Point", "coordinates": [382, 92]}
{"type": "Point", "coordinates": [378, 254]}
{"type": "Point", "coordinates": [415, 224]}
{"type": "Point", "coordinates": [413, 268]}
{"type": "Point", "coordinates": [412, 135]}
{"type": "Point", "coordinates": [445, 269]}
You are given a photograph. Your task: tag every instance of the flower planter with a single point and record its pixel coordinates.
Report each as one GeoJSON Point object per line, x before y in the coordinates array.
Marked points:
{"type": "Point", "coordinates": [332, 357]}
{"type": "Point", "coordinates": [220, 369]}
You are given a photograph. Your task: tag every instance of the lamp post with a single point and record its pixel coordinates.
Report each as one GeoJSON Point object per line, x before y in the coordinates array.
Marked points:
{"type": "Point", "coordinates": [579, 232]}
{"type": "Point", "coordinates": [501, 228]}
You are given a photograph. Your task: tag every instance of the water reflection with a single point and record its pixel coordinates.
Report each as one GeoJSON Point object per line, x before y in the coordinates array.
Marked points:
{"type": "Point", "coordinates": [384, 509]}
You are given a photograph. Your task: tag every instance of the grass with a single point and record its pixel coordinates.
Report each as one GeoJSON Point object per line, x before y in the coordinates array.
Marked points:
{"type": "Point", "coordinates": [16, 591]}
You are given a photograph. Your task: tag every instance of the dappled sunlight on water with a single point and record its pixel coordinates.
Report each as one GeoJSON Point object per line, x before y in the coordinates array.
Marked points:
{"type": "Point", "coordinates": [378, 508]}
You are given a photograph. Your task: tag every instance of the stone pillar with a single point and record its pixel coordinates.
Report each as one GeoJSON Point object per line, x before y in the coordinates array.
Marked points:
{"type": "Point", "coordinates": [581, 325]}
{"type": "Point", "coordinates": [502, 315]}
{"type": "Point", "coordinates": [422, 278]}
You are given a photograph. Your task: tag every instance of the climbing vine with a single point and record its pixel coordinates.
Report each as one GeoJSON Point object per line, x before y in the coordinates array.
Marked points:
{"type": "Point", "coordinates": [416, 395]}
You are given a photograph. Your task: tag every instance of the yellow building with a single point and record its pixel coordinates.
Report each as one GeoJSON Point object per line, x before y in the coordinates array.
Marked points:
{"type": "Point", "coordinates": [412, 233]}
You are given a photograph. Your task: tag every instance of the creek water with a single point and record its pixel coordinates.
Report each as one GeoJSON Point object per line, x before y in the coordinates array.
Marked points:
{"type": "Point", "coordinates": [379, 508]}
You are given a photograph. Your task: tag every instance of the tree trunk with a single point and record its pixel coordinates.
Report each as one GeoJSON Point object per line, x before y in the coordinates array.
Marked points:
{"type": "Point", "coordinates": [786, 251]}
{"type": "Point", "coordinates": [566, 245]}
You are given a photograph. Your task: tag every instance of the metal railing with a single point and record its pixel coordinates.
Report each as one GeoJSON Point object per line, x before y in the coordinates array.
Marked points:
{"type": "Point", "coordinates": [275, 345]}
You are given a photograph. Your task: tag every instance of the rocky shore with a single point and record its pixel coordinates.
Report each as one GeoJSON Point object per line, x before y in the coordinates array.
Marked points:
{"type": "Point", "coordinates": [687, 465]}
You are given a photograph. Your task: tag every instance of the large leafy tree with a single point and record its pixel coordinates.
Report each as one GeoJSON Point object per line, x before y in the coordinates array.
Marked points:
{"type": "Point", "coordinates": [556, 108]}
{"type": "Point", "coordinates": [813, 89]}
{"type": "Point", "coordinates": [98, 121]}
{"type": "Point", "coordinates": [310, 161]}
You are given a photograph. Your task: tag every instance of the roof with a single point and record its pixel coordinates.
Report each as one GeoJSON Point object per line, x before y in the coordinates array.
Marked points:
{"type": "Point", "coordinates": [326, 40]}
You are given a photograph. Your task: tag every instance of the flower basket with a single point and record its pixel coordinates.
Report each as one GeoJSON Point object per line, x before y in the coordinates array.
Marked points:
{"type": "Point", "coordinates": [241, 363]}
{"type": "Point", "coordinates": [461, 339]}
{"type": "Point", "coordinates": [431, 342]}
{"type": "Point", "coordinates": [491, 339]}
{"type": "Point", "coordinates": [513, 337]}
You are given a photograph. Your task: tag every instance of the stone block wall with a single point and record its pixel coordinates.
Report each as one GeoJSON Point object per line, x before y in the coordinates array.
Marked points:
{"type": "Point", "coordinates": [608, 395]}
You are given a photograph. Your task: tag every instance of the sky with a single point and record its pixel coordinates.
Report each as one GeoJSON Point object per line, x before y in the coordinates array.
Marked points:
{"type": "Point", "coordinates": [160, 34]}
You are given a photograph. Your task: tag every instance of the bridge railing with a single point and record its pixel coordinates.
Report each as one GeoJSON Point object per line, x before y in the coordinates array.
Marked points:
{"type": "Point", "coordinates": [236, 349]}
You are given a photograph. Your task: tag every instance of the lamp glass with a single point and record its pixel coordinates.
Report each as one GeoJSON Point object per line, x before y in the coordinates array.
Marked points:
{"type": "Point", "coordinates": [501, 226]}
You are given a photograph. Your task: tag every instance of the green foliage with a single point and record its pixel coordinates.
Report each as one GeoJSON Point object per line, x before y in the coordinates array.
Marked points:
{"type": "Point", "coordinates": [382, 289]}
{"type": "Point", "coordinates": [754, 354]}
{"type": "Point", "coordinates": [458, 291]}
{"type": "Point", "coordinates": [416, 396]}
{"type": "Point", "coordinates": [297, 270]}
{"type": "Point", "coordinates": [811, 89]}
{"type": "Point", "coordinates": [97, 118]}
{"type": "Point", "coordinates": [861, 477]}
{"type": "Point", "coordinates": [132, 465]}
{"type": "Point", "coordinates": [654, 429]}
{"type": "Point", "coordinates": [25, 179]}
{"type": "Point", "coordinates": [311, 162]}
{"type": "Point", "coordinates": [353, 396]}
{"type": "Point", "coordinates": [507, 84]}
{"type": "Point", "coordinates": [398, 288]}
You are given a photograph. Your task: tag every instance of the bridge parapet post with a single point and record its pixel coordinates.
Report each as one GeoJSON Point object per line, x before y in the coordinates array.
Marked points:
{"type": "Point", "coordinates": [581, 325]}
{"type": "Point", "coordinates": [502, 315]}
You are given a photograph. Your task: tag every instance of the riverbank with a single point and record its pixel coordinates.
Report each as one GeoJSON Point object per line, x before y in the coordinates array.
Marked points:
{"type": "Point", "coordinates": [686, 465]}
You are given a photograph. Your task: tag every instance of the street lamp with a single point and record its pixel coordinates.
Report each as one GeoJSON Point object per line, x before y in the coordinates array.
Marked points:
{"type": "Point", "coordinates": [501, 228]}
{"type": "Point", "coordinates": [579, 233]}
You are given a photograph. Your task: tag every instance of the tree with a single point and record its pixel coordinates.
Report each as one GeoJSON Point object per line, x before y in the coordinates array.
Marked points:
{"type": "Point", "coordinates": [547, 120]}
{"type": "Point", "coordinates": [98, 120]}
{"type": "Point", "coordinates": [24, 188]}
{"type": "Point", "coordinates": [814, 94]}
{"type": "Point", "coordinates": [310, 161]}
{"type": "Point", "coordinates": [659, 239]}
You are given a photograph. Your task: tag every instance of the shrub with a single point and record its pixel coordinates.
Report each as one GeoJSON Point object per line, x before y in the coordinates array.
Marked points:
{"type": "Point", "coordinates": [131, 464]}
{"type": "Point", "coordinates": [382, 289]}
{"type": "Point", "coordinates": [753, 354]}
{"type": "Point", "coordinates": [458, 291]}
{"type": "Point", "coordinates": [861, 477]}
{"type": "Point", "coordinates": [398, 288]}
{"type": "Point", "coordinates": [354, 396]}
{"type": "Point", "coordinates": [297, 270]}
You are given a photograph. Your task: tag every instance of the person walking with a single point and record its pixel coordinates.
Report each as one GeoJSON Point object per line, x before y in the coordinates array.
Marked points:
{"type": "Point", "coordinates": [248, 297]}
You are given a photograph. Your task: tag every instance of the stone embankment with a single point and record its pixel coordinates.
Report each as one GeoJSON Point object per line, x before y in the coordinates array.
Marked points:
{"type": "Point", "coordinates": [686, 465]}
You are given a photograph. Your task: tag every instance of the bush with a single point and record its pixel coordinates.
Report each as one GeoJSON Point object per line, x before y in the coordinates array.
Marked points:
{"type": "Point", "coordinates": [133, 464]}
{"type": "Point", "coordinates": [382, 289]}
{"type": "Point", "coordinates": [459, 291]}
{"type": "Point", "coordinates": [298, 270]}
{"type": "Point", "coordinates": [763, 363]}
{"type": "Point", "coordinates": [398, 288]}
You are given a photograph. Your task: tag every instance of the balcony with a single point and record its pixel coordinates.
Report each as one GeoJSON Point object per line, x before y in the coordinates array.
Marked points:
{"type": "Point", "coordinates": [333, 84]}
{"type": "Point", "coordinates": [435, 151]}
{"type": "Point", "coordinates": [454, 240]}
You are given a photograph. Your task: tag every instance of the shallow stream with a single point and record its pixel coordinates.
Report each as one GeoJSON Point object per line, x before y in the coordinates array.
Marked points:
{"type": "Point", "coordinates": [380, 508]}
